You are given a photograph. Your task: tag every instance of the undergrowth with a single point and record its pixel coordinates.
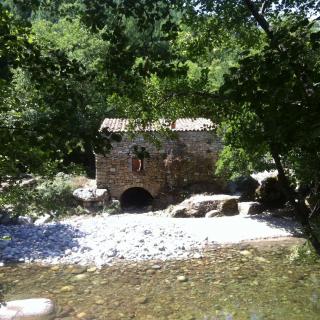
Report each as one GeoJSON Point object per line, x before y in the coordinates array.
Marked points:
{"type": "Point", "coordinates": [51, 195]}
{"type": "Point", "coordinates": [303, 253]}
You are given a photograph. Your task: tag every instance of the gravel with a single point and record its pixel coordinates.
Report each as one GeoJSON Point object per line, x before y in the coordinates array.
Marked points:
{"type": "Point", "coordinates": [104, 240]}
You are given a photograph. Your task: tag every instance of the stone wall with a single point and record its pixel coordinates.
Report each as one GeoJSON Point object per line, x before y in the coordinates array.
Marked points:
{"type": "Point", "coordinates": [189, 158]}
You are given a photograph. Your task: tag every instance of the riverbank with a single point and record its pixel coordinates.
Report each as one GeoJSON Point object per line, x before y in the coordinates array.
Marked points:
{"type": "Point", "coordinates": [105, 240]}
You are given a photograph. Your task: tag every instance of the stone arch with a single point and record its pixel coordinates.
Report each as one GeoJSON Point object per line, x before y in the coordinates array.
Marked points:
{"type": "Point", "coordinates": [136, 197]}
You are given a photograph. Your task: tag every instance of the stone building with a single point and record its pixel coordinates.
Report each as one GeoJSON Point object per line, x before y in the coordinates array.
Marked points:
{"type": "Point", "coordinates": [138, 169]}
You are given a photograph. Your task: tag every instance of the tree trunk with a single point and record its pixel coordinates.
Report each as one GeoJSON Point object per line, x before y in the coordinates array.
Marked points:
{"type": "Point", "coordinates": [301, 210]}
{"type": "Point", "coordinates": [263, 23]}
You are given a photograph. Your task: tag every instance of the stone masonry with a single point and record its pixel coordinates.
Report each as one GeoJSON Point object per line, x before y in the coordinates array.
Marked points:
{"type": "Point", "coordinates": [185, 159]}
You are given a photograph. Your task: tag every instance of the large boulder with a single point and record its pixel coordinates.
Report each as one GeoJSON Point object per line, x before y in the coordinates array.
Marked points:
{"type": "Point", "coordinates": [212, 214]}
{"type": "Point", "coordinates": [270, 193]}
{"type": "Point", "coordinates": [22, 220]}
{"type": "Point", "coordinates": [228, 206]}
{"type": "Point", "coordinates": [263, 175]}
{"type": "Point", "coordinates": [250, 208]}
{"type": "Point", "coordinates": [28, 309]}
{"type": "Point", "coordinates": [91, 195]}
{"type": "Point", "coordinates": [28, 183]}
{"type": "Point", "coordinates": [199, 205]}
{"type": "Point", "coordinates": [244, 186]}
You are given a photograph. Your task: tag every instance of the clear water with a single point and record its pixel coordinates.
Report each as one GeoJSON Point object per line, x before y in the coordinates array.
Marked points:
{"type": "Point", "coordinates": [239, 282]}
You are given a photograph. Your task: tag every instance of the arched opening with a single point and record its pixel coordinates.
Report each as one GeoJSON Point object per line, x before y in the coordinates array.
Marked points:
{"type": "Point", "coordinates": [135, 198]}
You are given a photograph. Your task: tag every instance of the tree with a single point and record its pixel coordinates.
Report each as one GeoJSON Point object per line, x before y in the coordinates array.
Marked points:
{"type": "Point", "coordinates": [56, 98]}
{"type": "Point", "coordinates": [269, 103]}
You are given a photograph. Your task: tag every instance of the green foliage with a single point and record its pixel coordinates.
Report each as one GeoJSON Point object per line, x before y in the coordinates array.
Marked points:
{"type": "Point", "coordinates": [140, 152]}
{"type": "Point", "coordinates": [234, 162]}
{"type": "Point", "coordinates": [60, 77]}
{"type": "Point", "coordinates": [55, 194]}
{"type": "Point", "coordinates": [271, 100]}
{"type": "Point", "coordinates": [303, 253]}
{"type": "Point", "coordinates": [113, 208]}
{"type": "Point", "coordinates": [52, 194]}
{"type": "Point", "coordinates": [67, 64]}
{"type": "Point", "coordinates": [18, 199]}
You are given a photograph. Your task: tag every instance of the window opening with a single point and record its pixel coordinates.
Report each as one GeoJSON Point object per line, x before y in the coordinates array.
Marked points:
{"type": "Point", "coordinates": [137, 165]}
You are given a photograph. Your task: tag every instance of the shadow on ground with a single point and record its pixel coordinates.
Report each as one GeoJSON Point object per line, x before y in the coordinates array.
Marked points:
{"type": "Point", "coordinates": [285, 223]}
{"type": "Point", "coordinates": [30, 242]}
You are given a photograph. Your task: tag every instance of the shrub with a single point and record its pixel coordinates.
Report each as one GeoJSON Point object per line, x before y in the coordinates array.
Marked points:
{"type": "Point", "coordinates": [303, 253]}
{"type": "Point", "coordinates": [113, 208]}
{"type": "Point", "coordinates": [19, 200]}
{"type": "Point", "coordinates": [52, 194]}
{"type": "Point", "coordinates": [55, 194]}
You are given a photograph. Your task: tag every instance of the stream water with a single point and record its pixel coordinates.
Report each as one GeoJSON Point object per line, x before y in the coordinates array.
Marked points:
{"type": "Point", "coordinates": [238, 282]}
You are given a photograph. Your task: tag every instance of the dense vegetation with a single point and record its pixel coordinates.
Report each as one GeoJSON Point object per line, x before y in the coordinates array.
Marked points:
{"type": "Point", "coordinates": [251, 66]}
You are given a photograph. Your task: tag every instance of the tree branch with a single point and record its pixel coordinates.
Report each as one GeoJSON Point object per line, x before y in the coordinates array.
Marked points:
{"type": "Point", "coordinates": [263, 23]}
{"type": "Point", "coordinates": [315, 211]}
{"type": "Point", "coordinates": [264, 6]}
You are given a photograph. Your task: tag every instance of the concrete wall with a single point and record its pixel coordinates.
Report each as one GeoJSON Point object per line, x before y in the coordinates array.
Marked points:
{"type": "Point", "coordinates": [190, 158]}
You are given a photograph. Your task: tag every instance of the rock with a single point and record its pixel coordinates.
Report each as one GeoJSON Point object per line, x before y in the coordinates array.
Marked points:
{"type": "Point", "coordinates": [80, 277]}
{"type": "Point", "coordinates": [260, 176]}
{"type": "Point", "coordinates": [270, 193]}
{"type": "Point", "coordinates": [42, 220]}
{"type": "Point", "coordinates": [246, 253]}
{"type": "Point", "coordinates": [28, 183]}
{"type": "Point", "coordinates": [243, 186]}
{"type": "Point", "coordinates": [92, 269]}
{"type": "Point", "coordinates": [182, 278]}
{"type": "Point", "coordinates": [55, 268]}
{"type": "Point", "coordinates": [141, 300]}
{"type": "Point", "coordinates": [212, 213]}
{"type": "Point", "coordinates": [78, 270]}
{"type": "Point", "coordinates": [150, 271]}
{"type": "Point", "coordinates": [228, 207]}
{"type": "Point", "coordinates": [28, 309]}
{"type": "Point", "coordinates": [81, 315]}
{"type": "Point", "coordinates": [114, 207]}
{"type": "Point", "coordinates": [99, 302]}
{"type": "Point", "coordinates": [67, 289]}
{"type": "Point", "coordinates": [261, 259]}
{"type": "Point", "coordinates": [199, 205]}
{"type": "Point", "coordinates": [250, 207]}
{"type": "Point", "coordinates": [91, 194]}
{"type": "Point", "coordinates": [24, 220]}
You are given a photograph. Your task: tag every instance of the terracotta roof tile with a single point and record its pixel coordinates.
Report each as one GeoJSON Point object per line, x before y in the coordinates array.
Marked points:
{"type": "Point", "coordinates": [181, 124]}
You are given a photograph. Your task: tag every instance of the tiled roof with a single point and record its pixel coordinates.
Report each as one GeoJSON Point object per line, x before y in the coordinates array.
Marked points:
{"type": "Point", "coordinates": [181, 124]}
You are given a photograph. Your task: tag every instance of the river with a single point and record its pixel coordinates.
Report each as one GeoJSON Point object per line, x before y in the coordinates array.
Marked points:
{"type": "Point", "coordinates": [245, 281]}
